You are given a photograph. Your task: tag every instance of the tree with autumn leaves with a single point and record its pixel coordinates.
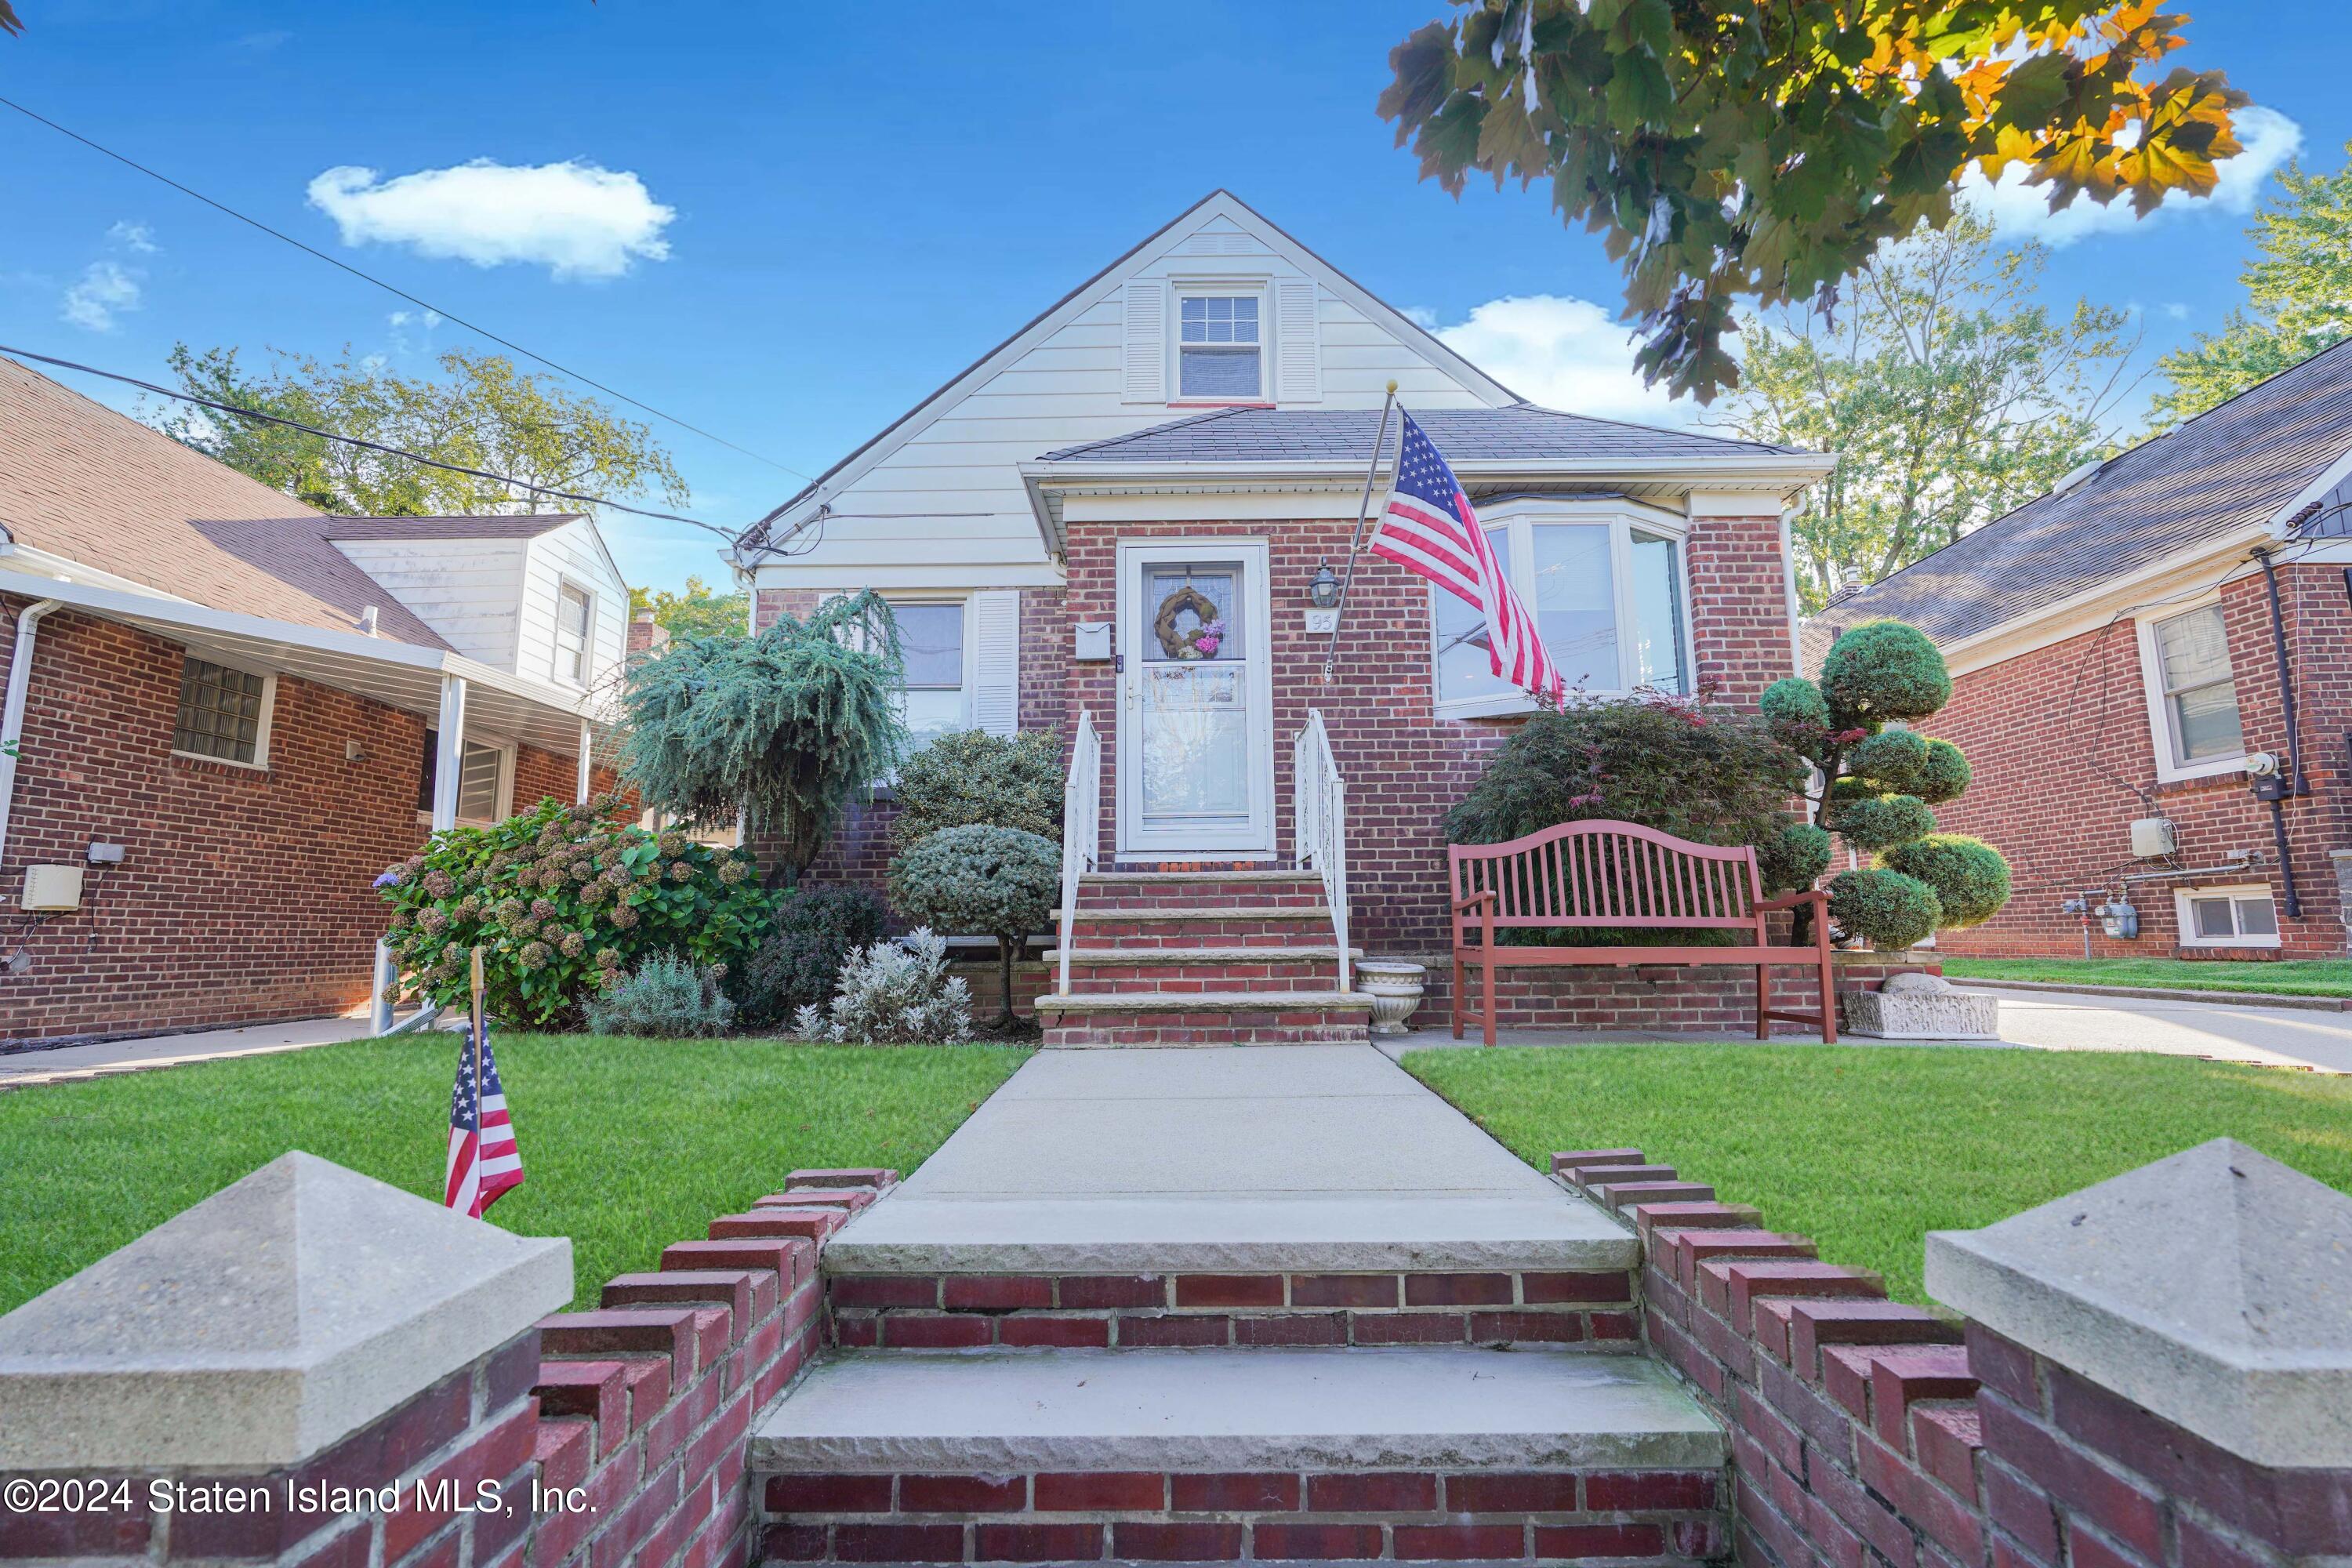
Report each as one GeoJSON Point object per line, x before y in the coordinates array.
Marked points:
{"type": "Point", "coordinates": [1734, 152]}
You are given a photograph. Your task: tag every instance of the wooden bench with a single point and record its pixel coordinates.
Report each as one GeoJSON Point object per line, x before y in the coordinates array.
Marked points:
{"type": "Point", "coordinates": [1622, 876]}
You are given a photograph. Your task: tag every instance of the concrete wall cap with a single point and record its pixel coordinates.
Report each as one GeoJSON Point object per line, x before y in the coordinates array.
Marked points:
{"type": "Point", "coordinates": [257, 1327]}
{"type": "Point", "coordinates": [2213, 1286]}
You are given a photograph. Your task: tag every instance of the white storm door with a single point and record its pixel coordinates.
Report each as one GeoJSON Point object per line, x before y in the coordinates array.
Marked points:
{"type": "Point", "coordinates": [1196, 714]}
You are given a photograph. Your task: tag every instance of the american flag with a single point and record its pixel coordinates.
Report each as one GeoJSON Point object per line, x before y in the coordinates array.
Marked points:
{"type": "Point", "coordinates": [483, 1160]}
{"type": "Point", "coordinates": [1430, 530]}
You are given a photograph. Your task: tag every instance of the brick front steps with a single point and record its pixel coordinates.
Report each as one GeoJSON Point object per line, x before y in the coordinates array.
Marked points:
{"type": "Point", "coordinates": [1202, 958]}
{"type": "Point", "coordinates": [1206, 1455]}
{"type": "Point", "coordinates": [1593, 1310]}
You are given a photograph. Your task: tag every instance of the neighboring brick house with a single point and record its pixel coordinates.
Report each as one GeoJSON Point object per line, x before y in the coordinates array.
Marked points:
{"type": "Point", "coordinates": [1192, 426]}
{"type": "Point", "coordinates": [237, 710]}
{"type": "Point", "coordinates": [2114, 664]}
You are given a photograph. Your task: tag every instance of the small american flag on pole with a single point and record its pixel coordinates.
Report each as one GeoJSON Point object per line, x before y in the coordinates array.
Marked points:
{"type": "Point", "coordinates": [484, 1161]}
{"type": "Point", "coordinates": [1430, 530]}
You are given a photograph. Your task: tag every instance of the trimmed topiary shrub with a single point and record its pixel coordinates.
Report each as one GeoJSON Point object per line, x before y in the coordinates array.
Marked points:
{"type": "Point", "coordinates": [1882, 781]}
{"type": "Point", "coordinates": [1970, 878]}
{"type": "Point", "coordinates": [995, 882]}
{"type": "Point", "coordinates": [971, 776]}
{"type": "Point", "coordinates": [1895, 910]}
{"type": "Point", "coordinates": [1796, 859]}
{"type": "Point", "coordinates": [564, 899]}
{"type": "Point", "coordinates": [896, 993]}
{"type": "Point", "coordinates": [817, 930]}
{"type": "Point", "coordinates": [669, 997]}
{"type": "Point", "coordinates": [1881, 670]}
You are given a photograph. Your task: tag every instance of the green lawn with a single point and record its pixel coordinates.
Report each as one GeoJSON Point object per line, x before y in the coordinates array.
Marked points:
{"type": "Point", "coordinates": [1867, 1149]}
{"type": "Point", "coordinates": [628, 1145]}
{"type": "Point", "coordinates": [2289, 977]}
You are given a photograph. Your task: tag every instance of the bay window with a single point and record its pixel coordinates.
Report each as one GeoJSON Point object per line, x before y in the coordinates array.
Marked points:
{"type": "Point", "coordinates": [1605, 586]}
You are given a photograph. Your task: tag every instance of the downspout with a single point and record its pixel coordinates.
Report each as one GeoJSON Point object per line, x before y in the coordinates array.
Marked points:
{"type": "Point", "coordinates": [12, 717]}
{"type": "Point", "coordinates": [2295, 784]}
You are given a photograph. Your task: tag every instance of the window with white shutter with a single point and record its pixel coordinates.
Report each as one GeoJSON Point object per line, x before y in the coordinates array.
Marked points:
{"type": "Point", "coordinates": [1299, 342]}
{"type": "Point", "coordinates": [996, 660]}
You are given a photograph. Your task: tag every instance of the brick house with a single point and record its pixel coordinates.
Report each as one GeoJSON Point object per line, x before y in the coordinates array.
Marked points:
{"type": "Point", "coordinates": [2126, 654]}
{"type": "Point", "coordinates": [1191, 427]}
{"type": "Point", "coordinates": [225, 714]}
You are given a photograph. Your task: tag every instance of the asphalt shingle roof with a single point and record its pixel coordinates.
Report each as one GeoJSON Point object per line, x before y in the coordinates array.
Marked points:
{"type": "Point", "coordinates": [1522, 432]}
{"type": "Point", "coordinates": [2230, 466]}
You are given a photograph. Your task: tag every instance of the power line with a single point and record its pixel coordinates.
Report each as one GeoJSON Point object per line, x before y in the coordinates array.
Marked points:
{"type": "Point", "coordinates": [402, 293]}
{"type": "Point", "coordinates": [254, 414]}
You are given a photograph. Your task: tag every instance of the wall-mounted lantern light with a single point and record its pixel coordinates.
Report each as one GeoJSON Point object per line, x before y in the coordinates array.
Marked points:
{"type": "Point", "coordinates": [1323, 593]}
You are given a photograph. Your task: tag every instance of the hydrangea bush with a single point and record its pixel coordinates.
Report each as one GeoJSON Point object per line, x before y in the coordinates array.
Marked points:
{"type": "Point", "coordinates": [565, 900]}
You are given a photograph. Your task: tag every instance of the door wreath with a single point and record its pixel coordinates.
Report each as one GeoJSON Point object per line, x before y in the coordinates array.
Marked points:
{"type": "Point", "coordinates": [1207, 633]}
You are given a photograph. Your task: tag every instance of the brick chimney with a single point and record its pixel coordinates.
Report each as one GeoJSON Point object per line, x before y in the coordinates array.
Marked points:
{"type": "Point", "coordinates": [644, 638]}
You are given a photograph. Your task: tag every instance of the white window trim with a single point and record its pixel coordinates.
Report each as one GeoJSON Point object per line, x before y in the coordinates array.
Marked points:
{"type": "Point", "coordinates": [2187, 925]}
{"type": "Point", "coordinates": [1521, 514]}
{"type": "Point", "coordinates": [587, 676]}
{"type": "Point", "coordinates": [2159, 722]}
{"type": "Point", "coordinates": [969, 678]}
{"type": "Point", "coordinates": [1259, 286]}
{"type": "Point", "coordinates": [503, 804]}
{"type": "Point", "coordinates": [260, 764]}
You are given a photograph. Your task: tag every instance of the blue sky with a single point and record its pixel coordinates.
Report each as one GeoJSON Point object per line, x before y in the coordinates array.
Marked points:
{"type": "Point", "coordinates": [786, 223]}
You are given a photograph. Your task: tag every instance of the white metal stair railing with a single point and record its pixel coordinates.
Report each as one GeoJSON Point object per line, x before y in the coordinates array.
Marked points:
{"type": "Point", "coordinates": [1081, 827]}
{"type": "Point", "coordinates": [1319, 825]}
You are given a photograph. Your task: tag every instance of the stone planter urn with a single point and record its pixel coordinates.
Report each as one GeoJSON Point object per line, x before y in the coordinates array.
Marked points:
{"type": "Point", "coordinates": [1921, 1007]}
{"type": "Point", "coordinates": [1395, 986]}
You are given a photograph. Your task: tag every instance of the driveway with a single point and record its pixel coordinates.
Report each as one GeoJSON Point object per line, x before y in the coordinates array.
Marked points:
{"type": "Point", "coordinates": [2273, 1037]}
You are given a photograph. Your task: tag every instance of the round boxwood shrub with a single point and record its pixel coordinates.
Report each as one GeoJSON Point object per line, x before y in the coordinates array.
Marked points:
{"type": "Point", "coordinates": [817, 929]}
{"type": "Point", "coordinates": [1970, 878]}
{"type": "Point", "coordinates": [972, 776]}
{"type": "Point", "coordinates": [1794, 710]}
{"type": "Point", "coordinates": [1795, 858]}
{"type": "Point", "coordinates": [1892, 910]}
{"type": "Point", "coordinates": [1892, 760]}
{"type": "Point", "coordinates": [1874, 822]}
{"type": "Point", "coordinates": [1944, 775]}
{"type": "Point", "coordinates": [990, 881]}
{"type": "Point", "coordinates": [1881, 670]}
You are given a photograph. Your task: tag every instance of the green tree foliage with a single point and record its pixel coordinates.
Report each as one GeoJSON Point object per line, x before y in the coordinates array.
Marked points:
{"type": "Point", "coordinates": [564, 900]}
{"type": "Point", "coordinates": [817, 932]}
{"type": "Point", "coordinates": [2298, 297]}
{"type": "Point", "coordinates": [480, 412]}
{"type": "Point", "coordinates": [789, 726]}
{"type": "Point", "coordinates": [993, 881]}
{"type": "Point", "coordinates": [1727, 150]}
{"type": "Point", "coordinates": [1712, 774]}
{"type": "Point", "coordinates": [971, 776]}
{"type": "Point", "coordinates": [1947, 393]}
{"type": "Point", "coordinates": [1883, 784]}
{"type": "Point", "coordinates": [667, 998]}
{"type": "Point", "coordinates": [699, 612]}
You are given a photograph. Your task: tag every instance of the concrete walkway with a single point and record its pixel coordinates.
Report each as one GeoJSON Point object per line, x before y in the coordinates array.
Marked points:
{"type": "Point", "coordinates": [1297, 1157]}
{"type": "Point", "coordinates": [107, 1057]}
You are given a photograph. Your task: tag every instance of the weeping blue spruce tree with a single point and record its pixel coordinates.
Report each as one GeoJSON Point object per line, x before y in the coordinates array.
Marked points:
{"type": "Point", "coordinates": [788, 725]}
{"type": "Point", "coordinates": [1883, 780]}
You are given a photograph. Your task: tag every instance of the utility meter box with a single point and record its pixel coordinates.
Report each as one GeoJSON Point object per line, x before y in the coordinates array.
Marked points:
{"type": "Point", "coordinates": [2152, 838]}
{"type": "Point", "coordinates": [1092, 642]}
{"type": "Point", "coordinates": [2118, 918]}
{"type": "Point", "coordinates": [51, 888]}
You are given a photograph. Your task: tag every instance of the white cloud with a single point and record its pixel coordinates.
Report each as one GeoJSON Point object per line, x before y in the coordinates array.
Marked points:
{"type": "Point", "coordinates": [2173, 310]}
{"type": "Point", "coordinates": [575, 219]}
{"type": "Point", "coordinates": [1566, 354]}
{"type": "Point", "coordinates": [104, 291]}
{"type": "Point", "coordinates": [2022, 212]}
{"type": "Point", "coordinates": [134, 236]}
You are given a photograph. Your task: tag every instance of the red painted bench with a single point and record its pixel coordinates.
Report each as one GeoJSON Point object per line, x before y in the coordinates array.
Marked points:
{"type": "Point", "coordinates": [1620, 876]}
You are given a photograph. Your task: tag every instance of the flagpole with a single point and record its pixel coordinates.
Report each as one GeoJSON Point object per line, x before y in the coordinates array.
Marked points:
{"type": "Point", "coordinates": [1363, 509]}
{"type": "Point", "coordinates": [477, 1024]}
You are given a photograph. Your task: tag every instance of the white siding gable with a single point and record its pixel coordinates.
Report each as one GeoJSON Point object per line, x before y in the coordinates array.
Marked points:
{"type": "Point", "coordinates": [938, 503]}
{"type": "Point", "coordinates": [468, 590]}
{"type": "Point", "coordinates": [571, 554]}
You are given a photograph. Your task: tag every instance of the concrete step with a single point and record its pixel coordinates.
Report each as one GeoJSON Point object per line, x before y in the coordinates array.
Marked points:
{"type": "Point", "coordinates": [1160, 1017]}
{"type": "Point", "coordinates": [1229, 1455]}
{"type": "Point", "coordinates": [1304, 967]}
{"type": "Point", "coordinates": [1179, 890]}
{"type": "Point", "coordinates": [1201, 925]}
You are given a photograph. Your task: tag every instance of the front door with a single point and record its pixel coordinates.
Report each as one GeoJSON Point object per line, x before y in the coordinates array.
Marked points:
{"type": "Point", "coordinates": [1195, 732]}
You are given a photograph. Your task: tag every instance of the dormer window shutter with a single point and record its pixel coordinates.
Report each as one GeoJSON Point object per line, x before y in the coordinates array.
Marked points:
{"type": "Point", "coordinates": [1298, 365]}
{"type": "Point", "coordinates": [996, 660]}
{"type": "Point", "coordinates": [1143, 350]}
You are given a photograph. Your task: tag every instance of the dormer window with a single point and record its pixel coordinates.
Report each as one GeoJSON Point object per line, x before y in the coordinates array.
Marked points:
{"type": "Point", "coordinates": [1218, 348]}
{"type": "Point", "coordinates": [575, 610]}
